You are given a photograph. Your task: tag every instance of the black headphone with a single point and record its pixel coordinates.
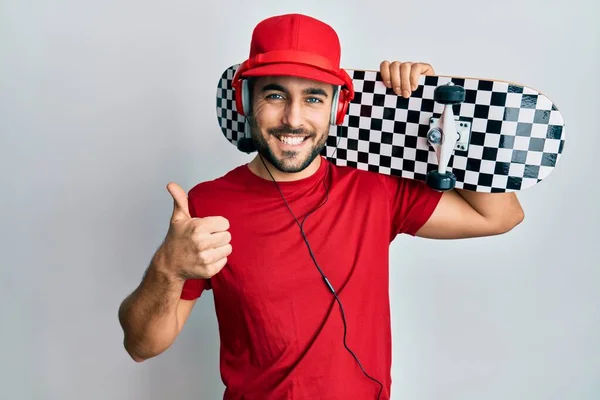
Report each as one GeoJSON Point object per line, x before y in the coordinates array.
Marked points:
{"type": "Point", "coordinates": [245, 143]}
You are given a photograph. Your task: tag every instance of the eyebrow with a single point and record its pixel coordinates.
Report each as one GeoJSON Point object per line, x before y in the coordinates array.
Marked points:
{"type": "Point", "coordinates": [312, 90]}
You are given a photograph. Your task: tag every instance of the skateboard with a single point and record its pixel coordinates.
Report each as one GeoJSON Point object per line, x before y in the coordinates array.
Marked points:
{"type": "Point", "coordinates": [474, 134]}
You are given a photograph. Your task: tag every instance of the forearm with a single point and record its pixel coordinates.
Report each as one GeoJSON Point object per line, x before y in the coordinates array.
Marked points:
{"type": "Point", "coordinates": [499, 209]}
{"type": "Point", "coordinates": [148, 316]}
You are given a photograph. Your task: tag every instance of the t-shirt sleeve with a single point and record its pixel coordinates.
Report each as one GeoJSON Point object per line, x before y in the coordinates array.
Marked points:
{"type": "Point", "coordinates": [412, 202]}
{"type": "Point", "coordinates": [193, 288]}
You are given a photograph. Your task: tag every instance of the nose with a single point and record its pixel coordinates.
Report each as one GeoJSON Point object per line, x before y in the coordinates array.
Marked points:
{"type": "Point", "coordinates": [292, 115]}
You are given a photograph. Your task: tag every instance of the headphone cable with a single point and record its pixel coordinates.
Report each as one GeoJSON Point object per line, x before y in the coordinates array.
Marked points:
{"type": "Point", "coordinates": [329, 285]}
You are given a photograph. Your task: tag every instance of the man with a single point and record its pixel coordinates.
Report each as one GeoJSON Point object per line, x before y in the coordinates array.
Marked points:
{"type": "Point", "coordinates": [294, 248]}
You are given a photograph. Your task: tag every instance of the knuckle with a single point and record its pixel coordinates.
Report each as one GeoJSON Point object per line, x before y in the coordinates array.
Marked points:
{"type": "Point", "coordinates": [199, 239]}
{"type": "Point", "coordinates": [205, 257]}
{"type": "Point", "coordinates": [202, 247]}
{"type": "Point", "coordinates": [197, 228]}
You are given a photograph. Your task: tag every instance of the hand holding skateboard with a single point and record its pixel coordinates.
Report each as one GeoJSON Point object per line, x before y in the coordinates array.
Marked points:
{"type": "Point", "coordinates": [403, 77]}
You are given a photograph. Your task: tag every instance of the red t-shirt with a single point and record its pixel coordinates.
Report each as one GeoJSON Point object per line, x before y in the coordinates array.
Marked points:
{"type": "Point", "coordinates": [280, 327]}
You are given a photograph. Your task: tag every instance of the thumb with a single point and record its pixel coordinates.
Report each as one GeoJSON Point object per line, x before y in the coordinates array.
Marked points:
{"type": "Point", "coordinates": [180, 202]}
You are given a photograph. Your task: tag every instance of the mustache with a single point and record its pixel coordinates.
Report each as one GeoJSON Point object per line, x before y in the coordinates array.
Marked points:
{"type": "Point", "coordinates": [286, 129]}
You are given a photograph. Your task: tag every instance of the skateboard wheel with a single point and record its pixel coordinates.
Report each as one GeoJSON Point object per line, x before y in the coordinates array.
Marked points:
{"type": "Point", "coordinates": [449, 94]}
{"type": "Point", "coordinates": [441, 181]}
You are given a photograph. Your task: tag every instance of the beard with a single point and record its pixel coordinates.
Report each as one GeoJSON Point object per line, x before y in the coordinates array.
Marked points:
{"type": "Point", "coordinates": [290, 161]}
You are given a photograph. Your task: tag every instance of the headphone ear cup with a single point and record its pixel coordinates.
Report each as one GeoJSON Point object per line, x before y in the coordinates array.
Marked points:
{"type": "Point", "coordinates": [245, 143]}
{"type": "Point", "coordinates": [237, 89]}
{"type": "Point", "coordinates": [246, 97]}
{"type": "Point", "coordinates": [342, 103]}
{"type": "Point", "coordinates": [335, 106]}
{"type": "Point", "coordinates": [242, 97]}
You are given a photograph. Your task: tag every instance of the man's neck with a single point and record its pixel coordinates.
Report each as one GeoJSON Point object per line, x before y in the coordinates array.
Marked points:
{"type": "Point", "coordinates": [258, 168]}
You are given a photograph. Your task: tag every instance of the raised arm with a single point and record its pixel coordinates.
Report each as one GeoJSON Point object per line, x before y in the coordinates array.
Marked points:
{"type": "Point", "coordinates": [460, 213]}
{"type": "Point", "coordinates": [194, 248]}
{"type": "Point", "coordinates": [463, 214]}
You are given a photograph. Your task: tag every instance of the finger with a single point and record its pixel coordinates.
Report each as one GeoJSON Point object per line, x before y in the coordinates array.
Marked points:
{"type": "Point", "coordinates": [384, 68]}
{"type": "Point", "coordinates": [180, 202]}
{"type": "Point", "coordinates": [415, 75]}
{"type": "Point", "coordinates": [217, 266]}
{"type": "Point", "coordinates": [395, 76]}
{"type": "Point", "coordinates": [213, 224]}
{"type": "Point", "coordinates": [419, 70]}
{"type": "Point", "coordinates": [213, 240]}
{"type": "Point", "coordinates": [211, 256]}
{"type": "Point", "coordinates": [405, 69]}
{"type": "Point", "coordinates": [427, 69]}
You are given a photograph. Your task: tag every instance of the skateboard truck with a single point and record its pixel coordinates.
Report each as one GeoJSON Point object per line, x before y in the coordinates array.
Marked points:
{"type": "Point", "coordinates": [446, 134]}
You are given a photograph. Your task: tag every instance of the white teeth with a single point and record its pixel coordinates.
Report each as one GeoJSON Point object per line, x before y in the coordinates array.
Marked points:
{"type": "Point", "coordinates": [291, 140]}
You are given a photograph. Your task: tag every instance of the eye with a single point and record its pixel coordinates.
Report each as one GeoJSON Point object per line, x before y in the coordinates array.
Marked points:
{"type": "Point", "coordinates": [314, 100]}
{"type": "Point", "coordinates": [273, 96]}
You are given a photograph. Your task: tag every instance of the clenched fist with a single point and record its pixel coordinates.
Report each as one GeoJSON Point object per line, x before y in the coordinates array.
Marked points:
{"type": "Point", "coordinates": [194, 248]}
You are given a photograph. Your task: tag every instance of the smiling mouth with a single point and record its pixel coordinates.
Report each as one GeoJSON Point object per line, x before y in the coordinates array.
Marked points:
{"type": "Point", "coordinates": [293, 140]}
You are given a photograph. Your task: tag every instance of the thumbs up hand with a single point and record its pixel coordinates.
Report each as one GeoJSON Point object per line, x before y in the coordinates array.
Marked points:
{"type": "Point", "coordinates": [181, 209]}
{"type": "Point", "coordinates": [194, 248]}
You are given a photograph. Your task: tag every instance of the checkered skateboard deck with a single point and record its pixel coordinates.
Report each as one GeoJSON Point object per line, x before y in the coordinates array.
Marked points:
{"type": "Point", "coordinates": [514, 134]}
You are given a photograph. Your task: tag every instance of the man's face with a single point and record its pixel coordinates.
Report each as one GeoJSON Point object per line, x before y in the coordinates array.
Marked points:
{"type": "Point", "coordinates": [290, 120]}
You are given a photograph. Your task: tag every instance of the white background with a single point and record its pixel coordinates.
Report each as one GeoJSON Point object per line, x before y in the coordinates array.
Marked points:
{"type": "Point", "coordinates": [103, 103]}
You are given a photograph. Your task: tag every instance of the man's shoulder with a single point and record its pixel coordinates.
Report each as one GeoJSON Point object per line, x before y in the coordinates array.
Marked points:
{"type": "Point", "coordinates": [362, 176]}
{"type": "Point", "coordinates": [390, 184]}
